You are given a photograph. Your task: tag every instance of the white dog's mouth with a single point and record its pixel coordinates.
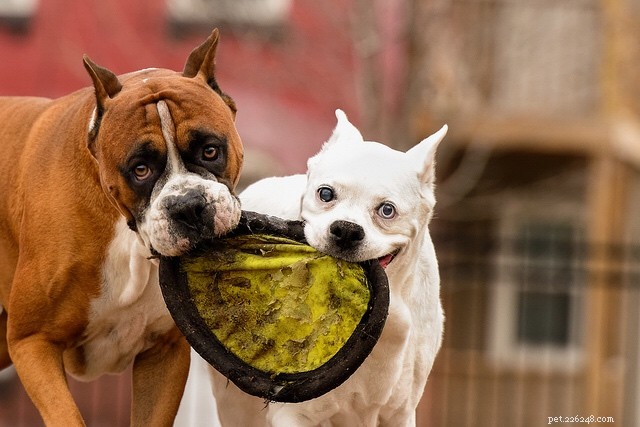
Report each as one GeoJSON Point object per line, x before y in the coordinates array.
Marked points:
{"type": "Point", "coordinates": [387, 259]}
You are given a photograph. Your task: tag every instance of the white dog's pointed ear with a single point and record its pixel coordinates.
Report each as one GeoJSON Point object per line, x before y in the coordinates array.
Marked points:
{"type": "Point", "coordinates": [344, 130]}
{"type": "Point", "coordinates": [425, 154]}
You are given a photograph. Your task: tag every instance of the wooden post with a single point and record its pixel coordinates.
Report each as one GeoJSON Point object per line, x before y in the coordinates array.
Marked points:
{"type": "Point", "coordinates": [607, 202]}
{"type": "Point", "coordinates": [620, 56]}
{"type": "Point", "coordinates": [607, 194]}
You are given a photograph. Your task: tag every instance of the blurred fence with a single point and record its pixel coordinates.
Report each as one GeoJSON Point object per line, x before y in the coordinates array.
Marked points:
{"type": "Point", "coordinates": [541, 328]}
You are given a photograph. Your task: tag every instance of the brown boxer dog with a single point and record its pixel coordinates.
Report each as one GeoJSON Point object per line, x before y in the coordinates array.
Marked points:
{"type": "Point", "coordinates": [92, 184]}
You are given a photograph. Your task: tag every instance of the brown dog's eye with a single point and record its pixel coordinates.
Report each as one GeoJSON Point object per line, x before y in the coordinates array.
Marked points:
{"type": "Point", "coordinates": [210, 153]}
{"type": "Point", "coordinates": [142, 171]}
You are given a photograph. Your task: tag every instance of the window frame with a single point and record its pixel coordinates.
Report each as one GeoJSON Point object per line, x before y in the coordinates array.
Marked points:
{"type": "Point", "coordinates": [503, 348]}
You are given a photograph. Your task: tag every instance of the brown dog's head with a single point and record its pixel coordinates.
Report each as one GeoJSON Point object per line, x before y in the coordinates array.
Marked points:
{"type": "Point", "coordinates": [167, 150]}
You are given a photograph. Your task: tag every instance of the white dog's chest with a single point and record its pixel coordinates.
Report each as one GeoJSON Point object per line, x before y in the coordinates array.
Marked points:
{"type": "Point", "coordinates": [129, 314]}
{"type": "Point", "coordinates": [404, 354]}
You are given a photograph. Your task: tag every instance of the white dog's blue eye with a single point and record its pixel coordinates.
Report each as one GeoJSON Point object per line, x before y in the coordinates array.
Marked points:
{"type": "Point", "coordinates": [326, 194]}
{"type": "Point", "coordinates": [387, 210]}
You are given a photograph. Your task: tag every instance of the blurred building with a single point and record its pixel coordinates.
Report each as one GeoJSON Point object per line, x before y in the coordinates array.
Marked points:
{"type": "Point", "coordinates": [537, 227]}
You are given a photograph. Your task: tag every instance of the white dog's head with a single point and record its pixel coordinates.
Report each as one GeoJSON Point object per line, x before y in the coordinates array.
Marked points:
{"type": "Point", "coordinates": [365, 200]}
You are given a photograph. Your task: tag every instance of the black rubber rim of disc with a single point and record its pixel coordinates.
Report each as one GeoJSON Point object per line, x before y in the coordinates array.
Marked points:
{"type": "Point", "coordinates": [284, 387]}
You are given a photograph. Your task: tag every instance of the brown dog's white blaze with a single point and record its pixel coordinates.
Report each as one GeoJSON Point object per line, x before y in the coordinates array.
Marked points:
{"type": "Point", "coordinates": [174, 165]}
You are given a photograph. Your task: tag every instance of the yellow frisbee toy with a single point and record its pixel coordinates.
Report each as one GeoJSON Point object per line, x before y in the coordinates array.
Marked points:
{"type": "Point", "coordinates": [279, 319]}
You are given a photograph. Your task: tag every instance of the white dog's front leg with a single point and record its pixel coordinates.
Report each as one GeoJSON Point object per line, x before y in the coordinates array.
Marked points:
{"type": "Point", "coordinates": [312, 413]}
{"type": "Point", "coordinates": [290, 418]}
{"type": "Point", "coordinates": [403, 418]}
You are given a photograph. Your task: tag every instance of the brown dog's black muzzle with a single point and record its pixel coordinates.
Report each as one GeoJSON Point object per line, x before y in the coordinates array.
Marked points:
{"type": "Point", "coordinates": [191, 215]}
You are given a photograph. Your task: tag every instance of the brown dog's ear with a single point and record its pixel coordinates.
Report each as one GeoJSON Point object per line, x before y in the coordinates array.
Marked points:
{"type": "Point", "coordinates": [202, 59]}
{"type": "Point", "coordinates": [106, 86]}
{"type": "Point", "coordinates": [105, 82]}
{"type": "Point", "coordinates": [202, 63]}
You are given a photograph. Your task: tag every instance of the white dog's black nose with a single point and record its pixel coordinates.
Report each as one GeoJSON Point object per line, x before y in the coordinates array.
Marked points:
{"type": "Point", "coordinates": [345, 234]}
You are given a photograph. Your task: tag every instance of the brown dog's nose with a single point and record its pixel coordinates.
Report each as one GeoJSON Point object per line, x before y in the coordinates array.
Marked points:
{"type": "Point", "coordinates": [187, 209]}
{"type": "Point", "coordinates": [189, 212]}
{"type": "Point", "coordinates": [345, 234]}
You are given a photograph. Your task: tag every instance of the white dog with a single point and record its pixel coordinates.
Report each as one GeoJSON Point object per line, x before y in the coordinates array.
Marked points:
{"type": "Point", "coordinates": [359, 201]}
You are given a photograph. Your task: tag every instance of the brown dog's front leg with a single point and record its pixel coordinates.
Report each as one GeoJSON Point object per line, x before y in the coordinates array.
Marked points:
{"type": "Point", "coordinates": [5, 359]}
{"type": "Point", "coordinates": [159, 378]}
{"type": "Point", "coordinates": [40, 368]}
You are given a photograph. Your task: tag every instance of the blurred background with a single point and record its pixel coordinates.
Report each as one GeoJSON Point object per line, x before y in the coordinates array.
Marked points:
{"type": "Point", "coordinates": [537, 226]}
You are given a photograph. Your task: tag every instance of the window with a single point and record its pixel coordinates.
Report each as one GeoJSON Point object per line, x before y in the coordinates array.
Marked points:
{"type": "Point", "coordinates": [536, 303]}
{"type": "Point", "coordinates": [243, 14]}
{"type": "Point", "coordinates": [547, 56]}
{"type": "Point", "coordinates": [16, 14]}
{"type": "Point", "coordinates": [543, 318]}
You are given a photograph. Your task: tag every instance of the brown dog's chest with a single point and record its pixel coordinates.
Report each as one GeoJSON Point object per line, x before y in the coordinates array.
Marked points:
{"type": "Point", "coordinates": [129, 315]}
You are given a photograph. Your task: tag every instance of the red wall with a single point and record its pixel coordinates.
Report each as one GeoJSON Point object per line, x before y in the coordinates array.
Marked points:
{"type": "Point", "coordinates": [286, 89]}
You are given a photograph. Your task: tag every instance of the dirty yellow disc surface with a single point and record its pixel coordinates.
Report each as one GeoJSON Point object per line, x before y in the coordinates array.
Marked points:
{"type": "Point", "coordinates": [277, 304]}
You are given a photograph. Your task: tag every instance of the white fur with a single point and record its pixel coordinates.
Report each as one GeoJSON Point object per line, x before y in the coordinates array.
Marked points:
{"type": "Point", "coordinates": [156, 230]}
{"type": "Point", "coordinates": [92, 120]}
{"type": "Point", "coordinates": [174, 164]}
{"type": "Point", "coordinates": [130, 312]}
{"type": "Point", "coordinates": [287, 190]}
{"type": "Point", "coordinates": [386, 389]}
